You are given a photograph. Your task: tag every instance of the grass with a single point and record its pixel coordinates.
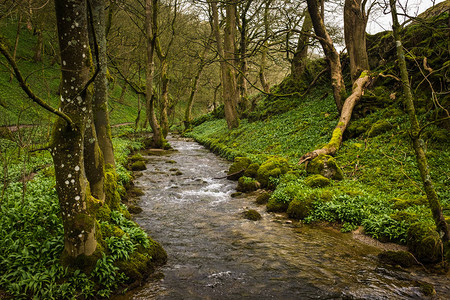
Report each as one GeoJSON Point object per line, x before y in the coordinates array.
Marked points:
{"type": "Point", "coordinates": [378, 168]}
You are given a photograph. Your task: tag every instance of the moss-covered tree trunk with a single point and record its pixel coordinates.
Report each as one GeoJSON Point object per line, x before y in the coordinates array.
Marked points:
{"type": "Point", "coordinates": [68, 141]}
{"type": "Point", "coordinates": [355, 21]}
{"type": "Point", "coordinates": [150, 13]}
{"type": "Point", "coordinates": [433, 200]}
{"type": "Point", "coordinates": [226, 53]}
{"type": "Point", "coordinates": [100, 102]}
{"type": "Point", "coordinates": [164, 96]}
{"type": "Point", "coordinates": [265, 49]}
{"type": "Point", "coordinates": [243, 63]}
{"type": "Point", "coordinates": [298, 64]}
{"type": "Point", "coordinates": [337, 80]}
{"type": "Point", "coordinates": [336, 139]}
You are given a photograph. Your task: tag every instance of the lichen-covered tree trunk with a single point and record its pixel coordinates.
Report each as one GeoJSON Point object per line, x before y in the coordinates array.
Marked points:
{"type": "Point", "coordinates": [243, 64]}
{"type": "Point", "coordinates": [100, 101]}
{"type": "Point", "coordinates": [150, 67]}
{"type": "Point", "coordinates": [337, 80]}
{"type": "Point", "coordinates": [433, 200]}
{"type": "Point", "coordinates": [355, 21]}
{"type": "Point", "coordinates": [336, 139]}
{"type": "Point", "coordinates": [265, 49]}
{"type": "Point", "coordinates": [164, 97]}
{"type": "Point", "coordinates": [229, 87]}
{"type": "Point", "coordinates": [68, 141]}
{"type": "Point", "coordinates": [298, 64]}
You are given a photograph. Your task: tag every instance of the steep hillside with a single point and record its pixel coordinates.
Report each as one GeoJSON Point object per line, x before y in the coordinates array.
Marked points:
{"type": "Point", "coordinates": [43, 78]}
{"type": "Point", "coordinates": [381, 188]}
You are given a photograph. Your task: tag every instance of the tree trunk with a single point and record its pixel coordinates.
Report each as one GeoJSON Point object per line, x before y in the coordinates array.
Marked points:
{"type": "Point", "coordinates": [265, 49]}
{"type": "Point", "coordinates": [433, 200]}
{"type": "Point", "coordinates": [150, 13]}
{"type": "Point", "coordinates": [337, 81]}
{"type": "Point", "coordinates": [298, 64]}
{"type": "Point", "coordinates": [100, 103]}
{"type": "Point", "coordinates": [243, 65]}
{"type": "Point", "coordinates": [229, 88]}
{"type": "Point", "coordinates": [68, 141]}
{"type": "Point", "coordinates": [164, 97]}
{"type": "Point", "coordinates": [336, 139]}
{"type": "Point", "coordinates": [188, 112]}
{"type": "Point", "coordinates": [39, 46]}
{"type": "Point", "coordinates": [355, 21]}
{"type": "Point", "coordinates": [16, 44]}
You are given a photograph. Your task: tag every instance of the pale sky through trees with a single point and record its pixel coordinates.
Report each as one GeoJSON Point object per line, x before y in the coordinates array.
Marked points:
{"type": "Point", "coordinates": [378, 21]}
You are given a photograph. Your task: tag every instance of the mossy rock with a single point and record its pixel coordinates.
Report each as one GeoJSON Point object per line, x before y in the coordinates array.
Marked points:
{"type": "Point", "coordinates": [402, 258]}
{"type": "Point", "coordinates": [135, 192]}
{"type": "Point", "coordinates": [252, 170]}
{"type": "Point", "coordinates": [317, 180]}
{"type": "Point", "coordinates": [326, 166]}
{"type": "Point", "coordinates": [247, 184]}
{"type": "Point", "coordinates": [405, 216]}
{"type": "Point", "coordinates": [170, 161]}
{"type": "Point", "coordinates": [235, 194]}
{"type": "Point", "coordinates": [133, 209]}
{"type": "Point", "coordinates": [238, 167]}
{"type": "Point", "coordinates": [252, 215]}
{"type": "Point", "coordinates": [263, 198]}
{"type": "Point", "coordinates": [276, 206]}
{"type": "Point", "coordinates": [426, 288]}
{"type": "Point", "coordinates": [424, 242]}
{"type": "Point", "coordinates": [398, 203]}
{"type": "Point", "coordinates": [300, 208]}
{"type": "Point", "coordinates": [136, 267]}
{"type": "Point", "coordinates": [136, 157]}
{"type": "Point", "coordinates": [379, 127]}
{"type": "Point", "coordinates": [138, 166]}
{"type": "Point", "coordinates": [273, 167]}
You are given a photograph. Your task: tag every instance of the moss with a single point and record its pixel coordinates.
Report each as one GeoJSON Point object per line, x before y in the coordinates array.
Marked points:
{"type": "Point", "coordinates": [136, 268]}
{"type": "Point", "coordinates": [407, 217]}
{"type": "Point", "coordinates": [398, 203]}
{"type": "Point", "coordinates": [263, 198]}
{"type": "Point", "coordinates": [135, 192]}
{"type": "Point", "coordinates": [138, 166]}
{"type": "Point", "coordinates": [336, 138]}
{"type": "Point", "coordinates": [136, 157]}
{"type": "Point", "coordinates": [252, 170]}
{"type": "Point", "coordinates": [85, 263]}
{"type": "Point", "coordinates": [426, 288]}
{"type": "Point", "coordinates": [103, 213]}
{"type": "Point", "coordinates": [326, 166]}
{"type": "Point", "coordinates": [273, 167]}
{"type": "Point", "coordinates": [275, 206]}
{"type": "Point", "coordinates": [170, 162]}
{"type": "Point", "coordinates": [112, 189]}
{"type": "Point", "coordinates": [133, 209]}
{"type": "Point", "coordinates": [424, 242]}
{"type": "Point", "coordinates": [239, 164]}
{"type": "Point", "coordinates": [247, 184]}
{"type": "Point", "coordinates": [252, 215]}
{"type": "Point", "coordinates": [379, 127]}
{"type": "Point", "coordinates": [49, 172]}
{"type": "Point", "coordinates": [236, 194]}
{"type": "Point", "coordinates": [317, 180]}
{"type": "Point", "coordinates": [402, 258]}
{"type": "Point", "coordinates": [300, 208]}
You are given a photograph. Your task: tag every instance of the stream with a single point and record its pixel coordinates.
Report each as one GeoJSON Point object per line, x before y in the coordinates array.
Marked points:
{"type": "Point", "coordinates": [214, 253]}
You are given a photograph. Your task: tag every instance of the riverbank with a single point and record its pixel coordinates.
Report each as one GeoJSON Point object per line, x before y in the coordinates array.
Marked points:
{"type": "Point", "coordinates": [32, 237]}
{"type": "Point", "coordinates": [380, 189]}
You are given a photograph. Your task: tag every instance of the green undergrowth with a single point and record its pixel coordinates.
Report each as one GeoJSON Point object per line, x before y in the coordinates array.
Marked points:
{"type": "Point", "coordinates": [32, 237]}
{"type": "Point", "coordinates": [43, 78]}
{"type": "Point", "coordinates": [381, 189]}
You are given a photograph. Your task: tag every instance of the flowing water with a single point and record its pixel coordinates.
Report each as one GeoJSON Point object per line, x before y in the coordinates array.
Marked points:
{"type": "Point", "coordinates": [214, 253]}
